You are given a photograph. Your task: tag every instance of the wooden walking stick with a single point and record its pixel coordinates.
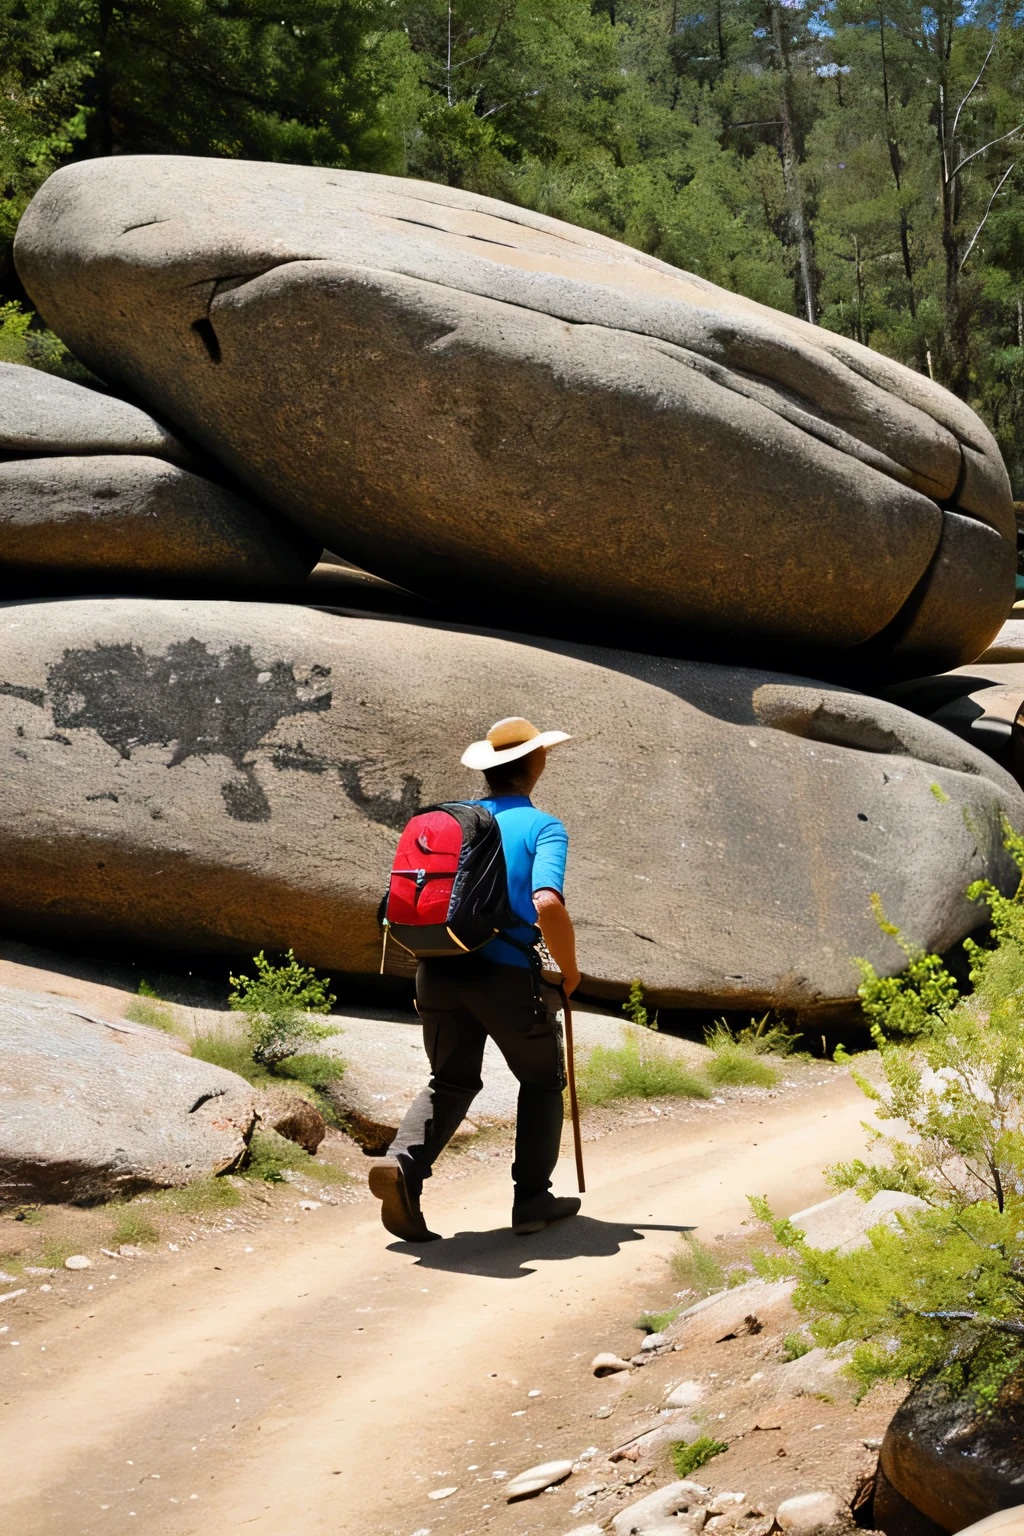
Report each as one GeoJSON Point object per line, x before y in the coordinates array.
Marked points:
{"type": "Point", "coordinates": [570, 1072]}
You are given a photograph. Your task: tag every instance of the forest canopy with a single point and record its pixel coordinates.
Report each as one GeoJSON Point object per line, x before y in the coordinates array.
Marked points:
{"type": "Point", "coordinates": [857, 163]}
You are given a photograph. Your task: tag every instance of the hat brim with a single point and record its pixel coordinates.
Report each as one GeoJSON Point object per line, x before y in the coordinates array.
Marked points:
{"type": "Point", "coordinates": [480, 754]}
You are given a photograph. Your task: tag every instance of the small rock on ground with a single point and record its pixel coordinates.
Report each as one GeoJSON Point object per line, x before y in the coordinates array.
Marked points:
{"type": "Point", "coordinates": [607, 1364]}
{"type": "Point", "coordinates": [813, 1514]}
{"type": "Point", "coordinates": [536, 1479]}
{"type": "Point", "coordinates": [679, 1498]}
{"type": "Point", "coordinates": [686, 1395]}
{"type": "Point", "coordinates": [78, 1261]}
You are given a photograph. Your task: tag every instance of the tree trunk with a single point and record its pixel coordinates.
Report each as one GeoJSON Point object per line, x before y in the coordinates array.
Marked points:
{"type": "Point", "coordinates": [101, 124]}
{"type": "Point", "coordinates": [791, 168]}
{"type": "Point", "coordinates": [896, 161]}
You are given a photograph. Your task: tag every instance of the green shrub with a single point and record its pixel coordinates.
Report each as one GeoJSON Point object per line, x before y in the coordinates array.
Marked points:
{"type": "Point", "coordinates": [277, 1002]}
{"type": "Point", "coordinates": [211, 1193]}
{"type": "Point", "coordinates": [133, 1227]}
{"type": "Point", "coordinates": [696, 1267]}
{"type": "Point", "coordinates": [314, 1071]}
{"type": "Point", "coordinates": [796, 1345]}
{"type": "Point", "coordinates": [687, 1459]}
{"type": "Point", "coordinates": [732, 1066]}
{"type": "Point", "coordinates": [910, 1004]}
{"type": "Point", "coordinates": [943, 1291]}
{"type": "Point", "coordinates": [655, 1322]}
{"type": "Point", "coordinates": [627, 1072]}
{"type": "Point", "coordinates": [224, 1050]}
{"type": "Point", "coordinates": [272, 1156]}
{"type": "Point", "coordinates": [148, 1007]}
{"type": "Point", "coordinates": [634, 1007]}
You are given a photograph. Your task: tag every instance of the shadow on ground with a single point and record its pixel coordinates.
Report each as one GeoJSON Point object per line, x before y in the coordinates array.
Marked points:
{"type": "Point", "coordinates": [500, 1255]}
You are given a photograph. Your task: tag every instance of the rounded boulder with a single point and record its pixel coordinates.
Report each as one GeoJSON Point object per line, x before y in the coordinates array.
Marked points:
{"type": "Point", "coordinates": [231, 776]}
{"type": "Point", "coordinates": [91, 485]}
{"type": "Point", "coordinates": [459, 394]}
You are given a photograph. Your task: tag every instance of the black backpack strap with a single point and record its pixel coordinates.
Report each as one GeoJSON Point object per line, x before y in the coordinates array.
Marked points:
{"type": "Point", "coordinates": [529, 950]}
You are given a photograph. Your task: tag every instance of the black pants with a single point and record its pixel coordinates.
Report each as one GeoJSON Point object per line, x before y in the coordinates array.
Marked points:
{"type": "Point", "coordinates": [461, 1002]}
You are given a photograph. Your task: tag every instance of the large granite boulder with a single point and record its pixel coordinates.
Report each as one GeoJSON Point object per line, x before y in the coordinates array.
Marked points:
{"type": "Point", "coordinates": [953, 1459]}
{"type": "Point", "coordinates": [91, 485]}
{"type": "Point", "coordinates": [465, 396]}
{"type": "Point", "coordinates": [92, 1109]}
{"type": "Point", "coordinates": [981, 702]}
{"type": "Point", "coordinates": [227, 776]}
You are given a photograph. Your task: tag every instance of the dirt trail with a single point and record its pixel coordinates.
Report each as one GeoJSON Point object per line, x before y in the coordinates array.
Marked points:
{"type": "Point", "coordinates": [327, 1383]}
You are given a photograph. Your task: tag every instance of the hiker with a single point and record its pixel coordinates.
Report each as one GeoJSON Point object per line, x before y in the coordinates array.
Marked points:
{"type": "Point", "coordinates": [496, 990]}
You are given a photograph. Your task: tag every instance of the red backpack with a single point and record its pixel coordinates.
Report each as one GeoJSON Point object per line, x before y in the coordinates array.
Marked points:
{"type": "Point", "coordinates": [448, 891]}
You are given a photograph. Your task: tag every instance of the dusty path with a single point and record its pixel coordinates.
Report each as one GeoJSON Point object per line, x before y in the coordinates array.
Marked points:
{"type": "Point", "coordinates": [329, 1385]}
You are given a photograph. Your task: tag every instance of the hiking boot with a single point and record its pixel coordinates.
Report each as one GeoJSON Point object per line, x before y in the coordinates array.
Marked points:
{"type": "Point", "coordinates": [400, 1209]}
{"type": "Point", "coordinates": [540, 1211]}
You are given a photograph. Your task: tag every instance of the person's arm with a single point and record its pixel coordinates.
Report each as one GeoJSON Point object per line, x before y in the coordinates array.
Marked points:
{"type": "Point", "coordinates": [559, 935]}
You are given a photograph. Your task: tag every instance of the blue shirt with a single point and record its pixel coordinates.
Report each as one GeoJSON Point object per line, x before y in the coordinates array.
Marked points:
{"type": "Point", "coordinates": [535, 847]}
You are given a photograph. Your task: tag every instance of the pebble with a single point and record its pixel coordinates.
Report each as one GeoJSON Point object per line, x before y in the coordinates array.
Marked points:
{"type": "Point", "coordinates": [872, 1443]}
{"type": "Point", "coordinates": [310, 1205]}
{"type": "Point", "coordinates": [812, 1514]}
{"type": "Point", "coordinates": [6, 1279]}
{"type": "Point", "coordinates": [11, 1294]}
{"type": "Point", "coordinates": [723, 1503]}
{"type": "Point", "coordinates": [34, 1269]}
{"type": "Point", "coordinates": [537, 1479]}
{"type": "Point", "coordinates": [534, 1393]}
{"type": "Point", "coordinates": [76, 1261]}
{"type": "Point", "coordinates": [685, 1500]}
{"type": "Point", "coordinates": [685, 1395]}
{"type": "Point", "coordinates": [604, 1413]}
{"type": "Point", "coordinates": [129, 1251]}
{"type": "Point", "coordinates": [604, 1364]}
{"type": "Point", "coordinates": [442, 1493]}
{"type": "Point", "coordinates": [655, 1341]}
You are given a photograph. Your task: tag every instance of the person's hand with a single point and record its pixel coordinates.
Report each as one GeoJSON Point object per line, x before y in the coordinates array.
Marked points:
{"type": "Point", "coordinates": [570, 983]}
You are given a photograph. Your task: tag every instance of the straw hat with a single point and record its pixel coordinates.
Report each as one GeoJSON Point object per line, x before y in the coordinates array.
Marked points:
{"type": "Point", "coordinates": [507, 740]}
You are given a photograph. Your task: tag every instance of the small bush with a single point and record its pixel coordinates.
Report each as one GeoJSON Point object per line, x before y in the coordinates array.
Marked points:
{"type": "Point", "coordinates": [149, 1008]}
{"type": "Point", "coordinates": [223, 1050]}
{"type": "Point", "coordinates": [272, 1156]}
{"type": "Point", "coordinates": [277, 1002]}
{"type": "Point", "coordinates": [655, 1322]}
{"type": "Point", "coordinates": [634, 1007]}
{"type": "Point", "coordinates": [796, 1345]}
{"type": "Point", "coordinates": [732, 1066]}
{"type": "Point", "coordinates": [626, 1072]}
{"type": "Point", "coordinates": [202, 1195]}
{"type": "Point", "coordinates": [687, 1459]}
{"type": "Point", "coordinates": [910, 1004]}
{"type": "Point", "coordinates": [939, 1291]}
{"type": "Point", "coordinates": [134, 1228]}
{"type": "Point", "coordinates": [313, 1070]}
{"type": "Point", "coordinates": [695, 1267]}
